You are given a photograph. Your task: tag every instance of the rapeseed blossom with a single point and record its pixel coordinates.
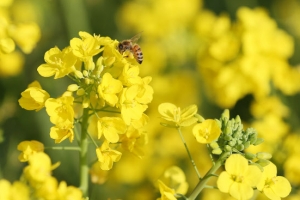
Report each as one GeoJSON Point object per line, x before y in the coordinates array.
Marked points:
{"type": "Point", "coordinates": [172, 113]}
{"type": "Point", "coordinates": [273, 186]}
{"type": "Point", "coordinates": [29, 148]}
{"type": "Point", "coordinates": [207, 131]}
{"type": "Point", "coordinates": [15, 34]}
{"type": "Point", "coordinates": [239, 178]}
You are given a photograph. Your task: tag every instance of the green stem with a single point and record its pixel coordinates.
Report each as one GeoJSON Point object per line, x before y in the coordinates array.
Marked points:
{"type": "Point", "coordinates": [64, 148]}
{"type": "Point", "coordinates": [84, 169]}
{"type": "Point", "coordinates": [202, 183]}
{"type": "Point", "coordinates": [189, 154]}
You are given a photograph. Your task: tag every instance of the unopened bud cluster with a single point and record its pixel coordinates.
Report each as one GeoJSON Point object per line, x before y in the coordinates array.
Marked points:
{"type": "Point", "coordinates": [234, 139]}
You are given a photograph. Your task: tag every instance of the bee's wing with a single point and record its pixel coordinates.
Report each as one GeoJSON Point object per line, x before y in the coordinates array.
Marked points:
{"type": "Point", "coordinates": [135, 38]}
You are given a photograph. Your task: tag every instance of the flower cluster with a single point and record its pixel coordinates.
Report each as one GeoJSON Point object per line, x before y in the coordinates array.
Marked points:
{"type": "Point", "coordinates": [108, 89]}
{"type": "Point", "coordinates": [243, 57]}
{"type": "Point", "coordinates": [227, 142]}
{"type": "Point", "coordinates": [37, 183]}
{"type": "Point", "coordinates": [14, 35]}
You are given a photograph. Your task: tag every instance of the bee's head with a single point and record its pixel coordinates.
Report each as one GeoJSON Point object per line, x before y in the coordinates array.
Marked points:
{"type": "Point", "coordinates": [121, 47]}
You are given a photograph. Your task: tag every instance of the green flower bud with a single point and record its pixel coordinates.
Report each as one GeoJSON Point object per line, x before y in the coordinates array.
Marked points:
{"type": "Point", "coordinates": [246, 144]}
{"type": "Point", "coordinates": [263, 162]}
{"type": "Point", "coordinates": [250, 156]}
{"type": "Point", "coordinates": [228, 130]}
{"type": "Point", "coordinates": [258, 141]}
{"type": "Point", "coordinates": [232, 142]}
{"type": "Point", "coordinates": [214, 145]}
{"type": "Point", "coordinates": [264, 155]}
{"type": "Point", "coordinates": [238, 119]}
{"type": "Point", "coordinates": [240, 147]}
{"type": "Point", "coordinates": [217, 151]}
{"type": "Point", "coordinates": [228, 148]}
{"type": "Point", "coordinates": [227, 137]}
{"type": "Point", "coordinates": [225, 114]}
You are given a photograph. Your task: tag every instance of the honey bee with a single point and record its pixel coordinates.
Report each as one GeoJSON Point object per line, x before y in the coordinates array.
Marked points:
{"type": "Point", "coordinates": [131, 46]}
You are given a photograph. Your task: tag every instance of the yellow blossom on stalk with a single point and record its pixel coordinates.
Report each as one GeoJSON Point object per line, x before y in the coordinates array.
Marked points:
{"type": "Point", "coordinates": [131, 109]}
{"type": "Point", "coordinates": [86, 47]}
{"type": "Point", "coordinates": [15, 191]}
{"type": "Point", "coordinates": [68, 192]}
{"type": "Point", "coordinates": [175, 178]}
{"type": "Point", "coordinates": [207, 131]}
{"type": "Point", "coordinates": [107, 156]}
{"type": "Point", "coordinates": [166, 192]}
{"type": "Point", "coordinates": [239, 178]}
{"type": "Point", "coordinates": [60, 110]}
{"type": "Point", "coordinates": [109, 88]}
{"type": "Point", "coordinates": [172, 113]}
{"type": "Point", "coordinates": [48, 189]}
{"type": "Point", "coordinates": [34, 97]}
{"type": "Point", "coordinates": [39, 168]}
{"type": "Point", "coordinates": [273, 186]}
{"type": "Point", "coordinates": [110, 127]}
{"type": "Point", "coordinates": [29, 148]}
{"type": "Point", "coordinates": [26, 35]}
{"type": "Point", "coordinates": [130, 75]}
{"type": "Point", "coordinates": [59, 134]}
{"type": "Point", "coordinates": [58, 63]}
{"type": "Point", "coordinates": [134, 140]}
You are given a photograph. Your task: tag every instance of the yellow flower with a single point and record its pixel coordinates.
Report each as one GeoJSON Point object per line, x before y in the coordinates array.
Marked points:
{"type": "Point", "coordinates": [7, 45]}
{"type": "Point", "coordinates": [273, 186]}
{"type": "Point", "coordinates": [111, 127]}
{"type": "Point", "coordinates": [134, 140]}
{"type": "Point", "coordinates": [86, 47]}
{"type": "Point", "coordinates": [239, 177]}
{"type": "Point", "coordinates": [11, 64]}
{"type": "Point", "coordinates": [107, 156]}
{"type": "Point", "coordinates": [29, 148]}
{"type": "Point", "coordinates": [26, 35]}
{"type": "Point", "coordinates": [48, 189]}
{"type": "Point", "coordinates": [166, 192]}
{"type": "Point", "coordinates": [175, 178]}
{"type": "Point", "coordinates": [34, 97]}
{"type": "Point", "coordinates": [15, 191]}
{"type": "Point", "coordinates": [68, 192]}
{"type": "Point", "coordinates": [61, 110]}
{"type": "Point", "coordinates": [207, 131]}
{"type": "Point", "coordinates": [59, 134]}
{"type": "Point", "coordinates": [291, 167]}
{"type": "Point", "coordinates": [58, 63]}
{"type": "Point", "coordinates": [39, 168]}
{"type": "Point", "coordinates": [109, 88]}
{"type": "Point", "coordinates": [131, 109]}
{"type": "Point", "coordinates": [172, 113]}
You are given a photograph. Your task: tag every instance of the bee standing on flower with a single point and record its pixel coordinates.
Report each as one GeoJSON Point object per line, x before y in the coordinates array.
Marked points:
{"type": "Point", "coordinates": [131, 46]}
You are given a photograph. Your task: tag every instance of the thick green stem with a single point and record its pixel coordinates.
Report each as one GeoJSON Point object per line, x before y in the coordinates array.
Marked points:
{"type": "Point", "coordinates": [203, 181]}
{"type": "Point", "coordinates": [84, 169]}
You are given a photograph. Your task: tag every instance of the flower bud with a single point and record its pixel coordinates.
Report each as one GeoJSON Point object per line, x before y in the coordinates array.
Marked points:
{"type": "Point", "coordinates": [263, 162]}
{"type": "Point", "coordinates": [73, 87]}
{"type": "Point", "coordinates": [258, 141]}
{"type": "Point", "coordinates": [80, 92]}
{"type": "Point", "coordinates": [214, 145]}
{"type": "Point", "coordinates": [240, 147]}
{"type": "Point", "coordinates": [250, 156]}
{"type": "Point", "coordinates": [217, 151]}
{"type": "Point", "coordinates": [225, 114]}
{"type": "Point", "coordinates": [228, 148]}
{"type": "Point", "coordinates": [264, 155]}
